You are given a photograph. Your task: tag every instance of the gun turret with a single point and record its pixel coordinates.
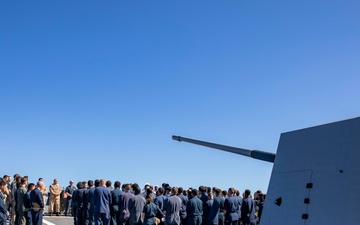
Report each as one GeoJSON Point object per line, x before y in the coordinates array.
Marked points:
{"type": "Point", "coordinates": [256, 154]}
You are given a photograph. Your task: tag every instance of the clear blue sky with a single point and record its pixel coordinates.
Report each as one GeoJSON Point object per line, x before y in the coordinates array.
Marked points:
{"type": "Point", "coordinates": [92, 89]}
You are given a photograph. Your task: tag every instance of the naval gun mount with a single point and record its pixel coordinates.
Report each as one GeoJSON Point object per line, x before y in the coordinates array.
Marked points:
{"type": "Point", "coordinates": [256, 154]}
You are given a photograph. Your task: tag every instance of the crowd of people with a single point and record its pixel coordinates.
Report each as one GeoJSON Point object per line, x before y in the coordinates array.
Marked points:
{"type": "Point", "coordinates": [99, 202]}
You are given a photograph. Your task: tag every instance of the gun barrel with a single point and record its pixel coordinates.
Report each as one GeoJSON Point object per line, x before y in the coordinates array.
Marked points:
{"type": "Point", "coordinates": [256, 154]}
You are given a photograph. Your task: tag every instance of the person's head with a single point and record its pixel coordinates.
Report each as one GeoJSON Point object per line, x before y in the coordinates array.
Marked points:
{"type": "Point", "coordinates": [217, 191]}
{"type": "Point", "coordinates": [167, 189]}
{"type": "Point", "coordinates": [210, 196]}
{"type": "Point", "coordinates": [202, 189]}
{"type": "Point", "coordinates": [90, 183]}
{"type": "Point", "coordinates": [231, 192]}
{"type": "Point", "coordinates": [79, 185]}
{"type": "Point", "coordinates": [180, 190]}
{"type": "Point", "coordinates": [40, 184]}
{"type": "Point", "coordinates": [146, 186]}
{"type": "Point", "coordinates": [84, 184]}
{"type": "Point", "coordinates": [127, 187]}
{"type": "Point", "coordinates": [149, 192]}
{"type": "Point", "coordinates": [55, 181]}
{"type": "Point", "coordinates": [256, 194]}
{"type": "Point", "coordinates": [2, 185]}
{"type": "Point", "coordinates": [7, 178]}
{"type": "Point", "coordinates": [24, 181]}
{"type": "Point", "coordinates": [16, 176]}
{"type": "Point", "coordinates": [160, 191]}
{"type": "Point", "coordinates": [224, 193]}
{"type": "Point", "coordinates": [117, 184]}
{"type": "Point", "coordinates": [247, 193]}
{"type": "Point", "coordinates": [194, 193]}
{"type": "Point", "coordinates": [71, 183]}
{"type": "Point", "coordinates": [136, 189]}
{"type": "Point", "coordinates": [108, 183]}
{"type": "Point", "coordinates": [97, 183]}
{"type": "Point", "coordinates": [102, 182]}
{"type": "Point", "coordinates": [40, 179]}
{"type": "Point", "coordinates": [237, 193]}
{"type": "Point", "coordinates": [31, 186]}
{"type": "Point", "coordinates": [18, 179]}
{"type": "Point", "coordinates": [174, 191]}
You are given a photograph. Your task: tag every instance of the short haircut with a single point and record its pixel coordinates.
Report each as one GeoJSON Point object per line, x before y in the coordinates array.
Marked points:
{"type": "Point", "coordinates": [161, 190]}
{"type": "Point", "coordinates": [2, 183]}
{"type": "Point", "coordinates": [117, 184]}
{"type": "Point", "coordinates": [97, 183]}
{"type": "Point", "coordinates": [180, 190]}
{"type": "Point", "coordinates": [90, 183]}
{"type": "Point", "coordinates": [194, 192]}
{"type": "Point", "coordinates": [174, 190]}
{"type": "Point", "coordinates": [217, 191]}
{"type": "Point", "coordinates": [23, 180]}
{"type": "Point", "coordinates": [108, 183]}
{"type": "Point", "coordinates": [31, 185]}
{"type": "Point", "coordinates": [136, 189]}
{"type": "Point", "coordinates": [127, 187]}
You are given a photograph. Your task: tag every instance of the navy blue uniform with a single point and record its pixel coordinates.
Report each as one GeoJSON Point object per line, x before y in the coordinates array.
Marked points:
{"type": "Point", "coordinates": [184, 200]}
{"type": "Point", "coordinates": [248, 211]}
{"type": "Point", "coordinates": [194, 209]}
{"type": "Point", "coordinates": [27, 205]}
{"type": "Point", "coordinates": [220, 201]}
{"type": "Point", "coordinates": [80, 197]}
{"type": "Point", "coordinates": [91, 206]}
{"type": "Point", "coordinates": [114, 208]}
{"type": "Point", "coordinates": [123, 207]}
{"type": "Point", "coordinates": [37, 204]}
{"type": "Point", "coordinates": [136, 206]}
{"type": "Point", "coordinates": [211, 212]}
{"type": "Point", "coordinates": [231, 207]}
{"type": "Point", "coordinates": [150, 214]}
{"type": "Point", "coordinates": [102, 200]}
{"type": "Point", "coordinates": [159, 202]}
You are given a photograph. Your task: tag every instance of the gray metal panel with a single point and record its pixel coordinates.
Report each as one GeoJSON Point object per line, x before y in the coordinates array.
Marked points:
{"type": "Point", "coordinates": [332, 152]}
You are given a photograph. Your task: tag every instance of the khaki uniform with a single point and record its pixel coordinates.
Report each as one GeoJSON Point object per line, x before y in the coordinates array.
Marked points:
{"type": "Point", "coordinates": [55, 191]}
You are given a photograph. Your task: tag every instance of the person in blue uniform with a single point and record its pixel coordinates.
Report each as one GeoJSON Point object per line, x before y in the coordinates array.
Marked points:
{"type": "Point", "coordinates": [91, 195]}
{"type": "Point", "coordinates": [220, 199]}
{"type": "Point", "coordinates": [79, 196]}
{"type": "Point", "coordinates": [184, 200]}
{"type": "Point", "coordinates": [3, 211]}
{"type": "Point", "coordinates": [248, 209]}
{"type": "Point", "coordinates": [69, 191]}
{"type": "Point", "coordinates": [102, 202]}
{"type": "Point", "coordinates": [123, 205]}
{"type": "Point", "coordinates": [27, 204]}
{"type": "Point", "coordinates": [114, 207]}
{"type": "Point", "coordinates": [37, 204]}
{"type": "Point", "coordinates": [159, 202]}
{"type": "Point", "coordinates": [136, 205]}
{"type": "Point", "coordinates": [172, 207]}
{"type": "Point", "coordinates": [231, 208]}
{"type": "Point", "coordinates": [149, 212]}
{"type": "Point", "coordinates": [211, 210]}
{"type": "Point", "coordinates": [194, 208]}
{"type": "Point", "coordinates": [240, 203]}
